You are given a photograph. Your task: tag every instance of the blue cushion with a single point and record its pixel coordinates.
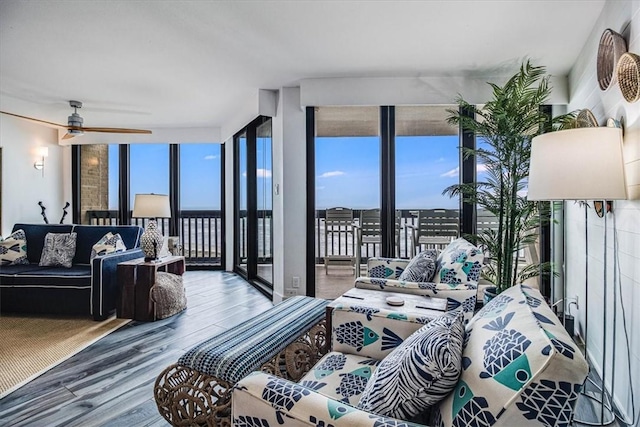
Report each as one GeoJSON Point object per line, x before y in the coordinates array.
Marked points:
{"type": "Point", "coordinates": [233, 354]}
{"type": "Point", "coordinates": [78, 276]}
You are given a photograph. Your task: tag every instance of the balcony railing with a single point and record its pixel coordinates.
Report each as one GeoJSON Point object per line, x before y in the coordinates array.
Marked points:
{"type": "Point", "coordinates": [200, 233]}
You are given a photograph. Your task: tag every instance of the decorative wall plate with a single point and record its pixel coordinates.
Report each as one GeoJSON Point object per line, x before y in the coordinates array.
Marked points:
{"type": "Point", "coordinates": [628, 74]}
{"type": "Point", "coordinates": [612, 46]}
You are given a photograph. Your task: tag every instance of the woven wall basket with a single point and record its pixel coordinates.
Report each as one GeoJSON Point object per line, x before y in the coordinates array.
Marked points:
{"type": "Point", "coordinates": [628, 74]}
{"type": "Point", "coordinates": [612, 47]}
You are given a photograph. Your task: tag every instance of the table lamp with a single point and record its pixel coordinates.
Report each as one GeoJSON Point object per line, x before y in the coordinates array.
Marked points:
{"type": "Point", "coordinates": [151, 206]}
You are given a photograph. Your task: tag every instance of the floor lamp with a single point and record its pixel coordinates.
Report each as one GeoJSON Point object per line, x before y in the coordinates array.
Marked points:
{"type": "Point", "coordinates": [582, 164]}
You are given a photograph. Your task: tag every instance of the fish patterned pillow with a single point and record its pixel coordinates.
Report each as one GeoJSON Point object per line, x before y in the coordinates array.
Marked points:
{"type": "Point", "coordinates": [109, 243]}
{"type": "Point", "coordinates": [13, 249]}
{"type": "Point", "coordinates": [459, 263]}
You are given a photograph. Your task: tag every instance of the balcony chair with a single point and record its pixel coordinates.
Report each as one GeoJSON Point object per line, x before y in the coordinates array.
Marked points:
{"type": "Point", "coordinates": [338, 222]}
{"type": "Point", "coordinates": [369, 231]}
{"type": "Point", "coordinates": [435, 228]}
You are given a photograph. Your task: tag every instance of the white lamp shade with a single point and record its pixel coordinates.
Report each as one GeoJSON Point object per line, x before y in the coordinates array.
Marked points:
{"type": "Point", "coordinates": [577, 164]}
{"type": "Point", "coordinates": [151, 206]}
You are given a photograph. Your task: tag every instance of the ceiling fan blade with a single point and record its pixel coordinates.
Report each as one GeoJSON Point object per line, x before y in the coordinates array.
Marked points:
{"type": "Point", "coordinates": [112, 130]}
{"type": "Point", "coordinates": [68, 136]}
{"type": "Point", "coordinates": [35, 120]}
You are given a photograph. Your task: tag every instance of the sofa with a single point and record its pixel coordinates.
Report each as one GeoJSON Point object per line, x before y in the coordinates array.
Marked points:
{"type": "Point", "coordinates": [516, 366]}
{"type": "Point", "coordinates": [87, 287]}
{"type": "Point", "coordinates": [451, 274]}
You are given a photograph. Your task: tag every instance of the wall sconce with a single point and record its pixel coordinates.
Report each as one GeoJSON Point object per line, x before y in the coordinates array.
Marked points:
{"type": "Point", "coordinates": [39, 164]}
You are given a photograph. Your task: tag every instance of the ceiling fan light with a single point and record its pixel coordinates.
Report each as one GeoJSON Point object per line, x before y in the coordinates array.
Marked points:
{"type": "Point", "coordinates": [75, 120]}
{"type": "Point", "coordinates": [75, 132]}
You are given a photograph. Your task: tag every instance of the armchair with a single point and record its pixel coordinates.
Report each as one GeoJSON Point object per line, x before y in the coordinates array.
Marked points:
{"type": "Point", "coordinates": [520, 367]}
{"type": "Point", "coordinates": [455, 279]}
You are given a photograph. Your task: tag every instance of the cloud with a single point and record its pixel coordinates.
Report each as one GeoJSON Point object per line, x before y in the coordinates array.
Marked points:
{"type": "Point", "coordinates": [321, 187]}
{"type": "Point", "coordinates": [211, 157]}
{"type": "Point", "coordinates": [455, 172]}
{"type": "Point", "coordinates": [263, 173]}
{"type": "Point", "coordinates": [330, 174]}
{"type": "Point", "coordinates": [451, 174]}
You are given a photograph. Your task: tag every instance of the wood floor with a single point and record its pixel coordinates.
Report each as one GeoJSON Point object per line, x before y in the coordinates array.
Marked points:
{"type": "Point", "coordinates": [111, 382]}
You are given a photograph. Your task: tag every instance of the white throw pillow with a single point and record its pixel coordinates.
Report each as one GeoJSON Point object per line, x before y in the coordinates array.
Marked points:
{"type": "Point", "coordinates": [109, 243]}
{"type": "Point", "coordinates": [13, 249]}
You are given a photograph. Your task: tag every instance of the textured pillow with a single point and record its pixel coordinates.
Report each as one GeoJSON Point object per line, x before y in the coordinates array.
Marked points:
{"type": "Point", "coordinates": [421, 268]}
{"type": "Point", "coordinates": [460, 262]}
{"type": "Point", "coordinates": [420, 372]}
{"type": "Point", "coordinates": [109, 243]}
{"type": "Point", "coordinates": [59, 250]}
{"type": "Point", "coordinates": [13, 249]}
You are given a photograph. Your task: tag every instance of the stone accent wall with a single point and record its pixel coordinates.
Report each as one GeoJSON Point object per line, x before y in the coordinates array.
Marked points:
{"type": "Point", "coordinates": [94, 179]}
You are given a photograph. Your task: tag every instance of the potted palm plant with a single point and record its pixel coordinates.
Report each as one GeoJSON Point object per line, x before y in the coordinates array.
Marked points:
{"type": "Point", "coordinates": [507, 124]}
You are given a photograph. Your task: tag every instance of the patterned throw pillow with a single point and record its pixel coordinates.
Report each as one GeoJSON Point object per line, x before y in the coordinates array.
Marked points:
{"type": "Point", "coordinates": [459, 263]}
{"type": "Point", "coordinates": [109, 243]}
{"type": "Point", "coordinates": [421, 268]}
{"type": "Point", "coordinates": [418, 373]}
{"type": "Point", "coordinates": [59, 250]}
{"type": "Point", "coordinates": [13, 249]}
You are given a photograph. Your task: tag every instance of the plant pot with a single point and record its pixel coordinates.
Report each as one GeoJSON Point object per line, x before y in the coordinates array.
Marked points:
{"type": "Point", "coordinates": [490, 293]}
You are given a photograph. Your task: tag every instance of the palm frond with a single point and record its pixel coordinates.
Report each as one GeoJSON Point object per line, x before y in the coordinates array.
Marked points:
{"type": "Point", "coordinates": [507, 123]}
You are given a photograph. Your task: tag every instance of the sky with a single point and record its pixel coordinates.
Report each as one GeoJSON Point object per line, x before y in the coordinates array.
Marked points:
{"type": "Point", "coordinates": [347, 172]}
{"type": "Point", "coordinates": [149, 173]}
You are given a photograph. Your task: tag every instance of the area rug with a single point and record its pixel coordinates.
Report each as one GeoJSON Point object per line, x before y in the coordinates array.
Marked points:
{"type": "Point", "coordinates": [30, 346]}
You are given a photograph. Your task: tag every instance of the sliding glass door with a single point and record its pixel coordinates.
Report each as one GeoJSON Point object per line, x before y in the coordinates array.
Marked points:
{"type": "Point", "coordinates": [253, 204]}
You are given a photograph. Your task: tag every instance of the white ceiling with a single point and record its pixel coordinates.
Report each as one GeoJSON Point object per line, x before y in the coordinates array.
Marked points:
{"type": "Point", "coordinates": [154, 64]}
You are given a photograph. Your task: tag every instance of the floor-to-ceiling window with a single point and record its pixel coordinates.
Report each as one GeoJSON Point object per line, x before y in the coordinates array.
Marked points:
{"type": "Point", "coordinates": [264, 201]}
{"type": "Point", "coordinates": [347, 194]}
{"type": "Point", "coordinates": [106, 179]}
{"type": "Point", "coordinates": [201, 224]}
{"type": "Point", "coordinates": [240, 224]}
{"type": "Point", "coordinates": [253, 254]}
{"type": "Point", "coordinates": [149, 173]}
{"type": "Point", "coordinates": [427, 160]}
{"type": "Point", "coordinates": [390, 163]}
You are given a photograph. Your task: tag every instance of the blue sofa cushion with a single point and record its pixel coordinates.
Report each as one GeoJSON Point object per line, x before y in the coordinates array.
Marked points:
{"type": "Point", "coordinates": [35, 237]}
{"type": "Point", "coordinates": [76, 277]}
{"type": "Point", "coordinates": [89, 235]}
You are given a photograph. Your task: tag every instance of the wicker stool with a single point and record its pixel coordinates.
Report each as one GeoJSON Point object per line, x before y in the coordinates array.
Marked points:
{"type": "Point", "coordinates": [286, 341]}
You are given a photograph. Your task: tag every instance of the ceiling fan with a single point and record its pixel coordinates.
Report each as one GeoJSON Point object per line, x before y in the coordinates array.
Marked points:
{"type": "Point", "coordinates": [74, 125]}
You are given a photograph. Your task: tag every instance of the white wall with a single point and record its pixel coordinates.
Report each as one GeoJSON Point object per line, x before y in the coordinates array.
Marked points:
{"type": "Point", "coordinates": [622, 17]}
{"type": "Point", "coordinates": [289, 205]}
{"type": "Point", "coordinates": [23, 186]}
